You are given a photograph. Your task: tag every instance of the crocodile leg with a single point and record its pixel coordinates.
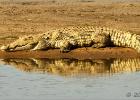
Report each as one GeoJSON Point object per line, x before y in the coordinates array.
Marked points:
{"type": "Point", "coordinates": [65, 46]}
{"type": "Point", "coordinates": [101, 40]}
{"type": "Point", "coordinates": [42, 45]}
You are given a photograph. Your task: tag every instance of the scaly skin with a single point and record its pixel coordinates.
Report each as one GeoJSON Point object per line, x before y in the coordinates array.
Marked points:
{"type": "Point", "coordinates": [74, 37]}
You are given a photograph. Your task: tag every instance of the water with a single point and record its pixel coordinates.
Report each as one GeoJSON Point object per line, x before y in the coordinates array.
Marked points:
{"type": "Point", "coordinates": [62, 79]}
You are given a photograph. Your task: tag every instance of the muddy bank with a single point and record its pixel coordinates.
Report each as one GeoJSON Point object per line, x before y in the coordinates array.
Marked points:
{"type": "Point", "coordinates": [80, 53]}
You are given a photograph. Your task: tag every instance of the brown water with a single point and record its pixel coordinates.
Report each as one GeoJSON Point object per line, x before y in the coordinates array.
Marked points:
{"type": "Point", "coordinates": [62, 79]}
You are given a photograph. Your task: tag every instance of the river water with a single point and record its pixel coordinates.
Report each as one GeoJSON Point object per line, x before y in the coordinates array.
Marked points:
{"type": "Point", "coordinates": [69, 79]}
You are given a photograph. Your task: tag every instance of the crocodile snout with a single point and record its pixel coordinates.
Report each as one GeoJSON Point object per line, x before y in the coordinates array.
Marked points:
{"type": "Point", "coordinates": [4, 48]}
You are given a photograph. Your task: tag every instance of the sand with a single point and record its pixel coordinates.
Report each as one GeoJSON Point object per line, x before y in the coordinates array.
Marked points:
{"type": "Point", "coordinates": [18, 18]}
{"type": "Point", "coordinates": [80, 53]}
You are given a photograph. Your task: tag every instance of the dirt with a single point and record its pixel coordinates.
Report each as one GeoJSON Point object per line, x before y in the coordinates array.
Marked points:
{"type": "Point", "coordinates": [80, 53]}
{"type": "Point", "coordinates": [18, 18]}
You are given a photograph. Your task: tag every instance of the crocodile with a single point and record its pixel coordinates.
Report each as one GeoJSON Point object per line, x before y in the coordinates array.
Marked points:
{"type": "Point", "coordinates": [70, 38]}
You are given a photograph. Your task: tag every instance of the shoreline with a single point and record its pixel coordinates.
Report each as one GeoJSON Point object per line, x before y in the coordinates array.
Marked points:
{"type": "Point", "coordinates": [79, 53]}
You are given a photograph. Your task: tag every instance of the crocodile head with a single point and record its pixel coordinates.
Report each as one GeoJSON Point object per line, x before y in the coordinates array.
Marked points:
{"type": "Point", "coordinates": [23, 43]}
{"type": "Point", "coordinates": [30, 42]}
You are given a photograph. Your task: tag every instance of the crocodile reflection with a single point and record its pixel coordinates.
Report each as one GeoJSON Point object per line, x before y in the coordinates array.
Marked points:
{"type": "Point", "coordinates": [74, 67]}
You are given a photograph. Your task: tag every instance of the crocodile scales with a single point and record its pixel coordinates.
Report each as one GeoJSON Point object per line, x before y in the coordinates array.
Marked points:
{"type": "Point", "coordinates": [74, 37]}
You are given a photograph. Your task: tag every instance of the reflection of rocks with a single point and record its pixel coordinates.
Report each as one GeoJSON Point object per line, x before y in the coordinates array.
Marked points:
{"type": "Point", "coordinates": [75, 67]}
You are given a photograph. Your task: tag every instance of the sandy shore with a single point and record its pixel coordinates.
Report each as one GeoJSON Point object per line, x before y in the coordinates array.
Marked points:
{"type": "Point", "coordinates": [80, 53]}
{"type": "Point", "coordinates": [20, 18]}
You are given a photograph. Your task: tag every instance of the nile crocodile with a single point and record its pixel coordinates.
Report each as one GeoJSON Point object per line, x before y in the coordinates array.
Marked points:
{"type": "Point", "coordinates": [74, 37]}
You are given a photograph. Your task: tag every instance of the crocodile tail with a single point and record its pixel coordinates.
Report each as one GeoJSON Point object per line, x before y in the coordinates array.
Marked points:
{"type": "Point", "coordinates": [125, 39]}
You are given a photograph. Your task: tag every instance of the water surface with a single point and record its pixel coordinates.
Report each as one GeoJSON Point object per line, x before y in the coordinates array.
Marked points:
{"type": "Point", "coordinates": [61, 79]}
